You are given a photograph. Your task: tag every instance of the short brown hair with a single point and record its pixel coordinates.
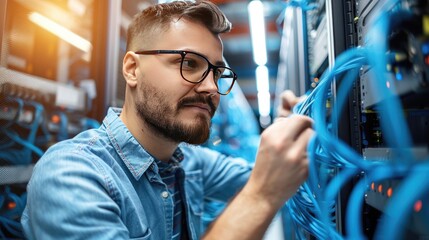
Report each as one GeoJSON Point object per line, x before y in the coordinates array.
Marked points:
{"type": "Point", "coordinates": [156, 19]}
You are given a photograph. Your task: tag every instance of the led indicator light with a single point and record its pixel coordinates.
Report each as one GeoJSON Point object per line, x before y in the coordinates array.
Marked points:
{"type": "Point", "coordinates": [389, 67]}
{"type": "Point", "coordinates": [425, 48]}
{"type": "Point", "coordinates": [55, 118]}
{"type": "Point", "coordinates": [373, 186]}
{"type": "Point", "coordinates": [11, 205]}
{"type": "Point", "coordinates": [380, 188]}
{"type": "Point", "coordinates": [418, 206]}
{"type": "Point", "coordinates": [389, 192]}
{"type": "Point", "coordinates": [398, 76]}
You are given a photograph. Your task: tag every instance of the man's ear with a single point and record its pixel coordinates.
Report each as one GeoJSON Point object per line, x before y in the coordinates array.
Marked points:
{"type": "Point", "coordinates": [129, 69]}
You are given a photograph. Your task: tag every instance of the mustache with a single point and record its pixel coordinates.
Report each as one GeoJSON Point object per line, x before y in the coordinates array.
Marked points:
{"type": "Point", "coordinates": [198, 99]}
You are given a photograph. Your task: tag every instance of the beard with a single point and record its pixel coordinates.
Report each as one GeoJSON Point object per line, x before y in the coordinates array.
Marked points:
{"type": "Point", "coordinates": [154, 109]}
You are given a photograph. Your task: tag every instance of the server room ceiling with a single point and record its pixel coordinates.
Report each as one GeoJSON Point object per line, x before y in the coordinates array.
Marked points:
{"type": "Point", "coordinates": [237, 43]}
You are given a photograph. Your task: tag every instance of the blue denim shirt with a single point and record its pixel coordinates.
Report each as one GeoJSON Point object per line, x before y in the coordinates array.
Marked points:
{"type": "Point", "coordinates": [103, 184]}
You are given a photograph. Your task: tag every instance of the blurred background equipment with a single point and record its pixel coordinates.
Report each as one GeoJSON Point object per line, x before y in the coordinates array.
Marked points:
{"type": "Point", "coordinates": [51, 88]}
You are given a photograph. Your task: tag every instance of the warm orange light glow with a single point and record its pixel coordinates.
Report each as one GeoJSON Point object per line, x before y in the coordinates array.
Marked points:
{"type": "Point", "coordinates": [373, 186]}
{"type": "Point", "coordinates": [60, 31]}
{"type": "Point", "coordinates": [55, 118]}
{"type": "Point", "coordinates": [380, 188]}
{"type": "Point", "coordinates": [389, 192]}
{"type": "Point", "coordinates": [418, 206]}
{"type": "Point", "coordinates": [11, 205]}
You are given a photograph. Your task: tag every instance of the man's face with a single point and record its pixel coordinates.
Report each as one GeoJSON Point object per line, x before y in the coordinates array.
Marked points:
{"type": "Point", "coordinates": [176, 109]}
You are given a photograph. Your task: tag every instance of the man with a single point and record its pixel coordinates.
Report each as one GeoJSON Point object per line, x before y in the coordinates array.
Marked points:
{"type": "Point", "coordinates": [138, 176]}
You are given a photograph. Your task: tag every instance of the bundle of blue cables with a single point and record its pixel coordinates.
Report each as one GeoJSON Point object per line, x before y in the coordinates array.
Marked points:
{"type": "Point", "coordinates": [333, 163]}
{"type": "Point", "coordinates": [11, 207]}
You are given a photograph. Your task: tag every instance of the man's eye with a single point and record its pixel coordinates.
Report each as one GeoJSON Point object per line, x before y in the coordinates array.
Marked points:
{"type": "Point", "coordinates": [190, 64]}
{"type": "Point", "coordinates": [218, 73]}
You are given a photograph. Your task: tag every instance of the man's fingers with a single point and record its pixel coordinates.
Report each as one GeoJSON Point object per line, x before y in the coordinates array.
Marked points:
{"type": "Point", "coordinates": [289, 99]}
{"type": "Point", "coordinates": [302, 140]}
{"type": "Point", "coordinates": [295, 125]}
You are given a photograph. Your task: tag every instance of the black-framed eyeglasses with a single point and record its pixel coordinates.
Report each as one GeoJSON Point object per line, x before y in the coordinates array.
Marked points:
{"type": "Point", "coordinates": [194, 68]}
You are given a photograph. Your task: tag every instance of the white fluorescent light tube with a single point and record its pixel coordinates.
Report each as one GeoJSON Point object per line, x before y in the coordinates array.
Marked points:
{"type": "Point", "coordinates": [61, 31]}
{"type": "Point", "coordinates": [257, 31]}
{"type": "Point", "coordinates": [262, 82]}
{"type": "Point", "coordinates": [264, 103]}
{"type": "Point", "coordinates": [263, 87]}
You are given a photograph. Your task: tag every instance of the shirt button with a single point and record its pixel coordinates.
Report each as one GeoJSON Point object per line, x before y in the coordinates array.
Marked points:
{"type": "Point", "coordinates": [164, 194]}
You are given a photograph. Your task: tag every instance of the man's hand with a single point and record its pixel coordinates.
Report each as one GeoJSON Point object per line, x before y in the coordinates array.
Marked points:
{"type": "Point", "coordinates": [287, 101]}
{"type": "Point", "coordinates": [281, 164]}
{"type": "Point", "coordinates": [281, 167]}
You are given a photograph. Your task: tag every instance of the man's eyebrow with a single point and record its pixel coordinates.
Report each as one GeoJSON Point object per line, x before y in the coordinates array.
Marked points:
{"type": "Point", "coordinates": [217, 63]}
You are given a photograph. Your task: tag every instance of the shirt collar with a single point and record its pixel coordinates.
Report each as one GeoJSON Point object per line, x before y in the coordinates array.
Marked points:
{"type": "Point", "coordinates": [135, 157]}
{"type": "Point", "coordinates": [173, 164]}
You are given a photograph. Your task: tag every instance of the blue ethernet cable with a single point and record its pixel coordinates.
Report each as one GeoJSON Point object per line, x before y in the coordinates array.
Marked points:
{"type": "Point", "coordinates": [11, 226]}
{"type": "Point", "coordinates": [7, 220]}
{"type": "Point", "coordinates": [379, 173]}
{"type": "Point", "coordinates": [399, 138]}
{"type": "Point", "coordinates": [306, 220]}
{"type": "Point", "coordinates": [326, 138]}
{"type": "Point", "coordinates": [329, 148]}
{"type": "Point", "coordinates": [400, 206]}
{"type": "Point", "coordinates": [23, 155]}
{"type": "Point", "coordinates": [332, 232]}
{"type": "Point", "coordinates": [20, 106]}
{"type": "Point", "coordinates": [8, 124]}
{"type": "Point", "coordinates": [26, 144]}
{"type": "Point", "coordinates": [322, 115]}
{"type": "Point", "coordinates": [63, 133]}
{"type": "Point", "coordinates": [312, 228]}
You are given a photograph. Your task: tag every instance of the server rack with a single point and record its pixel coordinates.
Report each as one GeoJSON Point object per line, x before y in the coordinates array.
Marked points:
{"type": "Point", "coordinates": [49, 90]}
{"type": "Point", "coordinates": [401, 84]}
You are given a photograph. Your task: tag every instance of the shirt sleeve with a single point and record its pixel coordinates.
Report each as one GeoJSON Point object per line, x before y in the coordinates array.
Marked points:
{"type": "Point", "coordinates": [68, 198]}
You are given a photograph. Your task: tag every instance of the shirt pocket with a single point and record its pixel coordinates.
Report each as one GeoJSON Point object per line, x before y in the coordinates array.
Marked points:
{"type": "Point", "coordinates": [194, 198]}
{"type": "Point", "coordinates": [195, 191]}
{"type": "Point", "coordinates": [145, 236]}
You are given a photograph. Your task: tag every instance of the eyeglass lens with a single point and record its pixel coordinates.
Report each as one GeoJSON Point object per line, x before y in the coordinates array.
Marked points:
{"type": "Point", "coordinates": [195, 68]}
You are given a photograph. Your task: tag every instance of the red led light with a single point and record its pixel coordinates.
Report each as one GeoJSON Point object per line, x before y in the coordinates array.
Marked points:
{"type": "Point", "coordinates": [380, 188]}
{"type": "Point", "coordinates": [55, 118]}
{"type": "Point", "coordinates": [11, 205]}
{"type": "Point", "coordinates": [389, 192]}
{"type": "Point", "coordinates": [373, 186]}
{"type": "Point", "coordinates": [418, 206]}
